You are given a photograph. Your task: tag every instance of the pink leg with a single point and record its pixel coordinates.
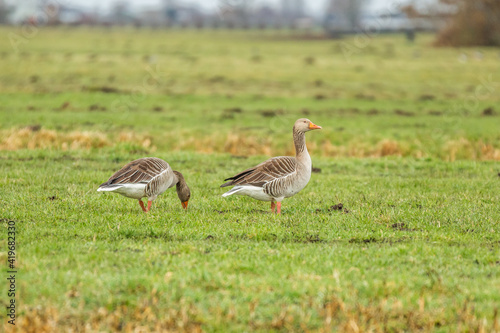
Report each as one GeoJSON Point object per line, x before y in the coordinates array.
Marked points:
{"type": "Point", "coordinates": [149, 205]}
{"type": "Point", "coordinates": [273, 206]}
{"type": "Point", "coordinates": [279, 207]}
{"type": "Point", "coordinates": [142, 205]}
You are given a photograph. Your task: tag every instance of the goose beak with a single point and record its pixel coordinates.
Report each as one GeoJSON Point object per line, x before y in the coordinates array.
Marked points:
{"type": "Point", "coordinates": [185, 204]}
{"type": "Point", "coordinates": [313, 126]}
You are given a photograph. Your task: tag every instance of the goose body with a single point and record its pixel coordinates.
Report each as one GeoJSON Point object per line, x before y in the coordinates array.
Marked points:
{"type": "Point", "coordinates": [146, 177]}
{"type": "Point", "coordinates": [279, 177]}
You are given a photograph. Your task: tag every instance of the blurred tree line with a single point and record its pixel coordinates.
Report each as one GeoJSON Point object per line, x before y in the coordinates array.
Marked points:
{"type": "Point", "coordinates": [5, 10]}
{"type": "Point", "coordinates": [467, 22]}
{"type": "Point", "coordinates": [475, 22]}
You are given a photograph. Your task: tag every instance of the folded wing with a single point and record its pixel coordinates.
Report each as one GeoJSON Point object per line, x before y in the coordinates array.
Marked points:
{"type": "Point", "coordinates": [272, 169]}
{"type": "Point", "coordinates": [138, 171]}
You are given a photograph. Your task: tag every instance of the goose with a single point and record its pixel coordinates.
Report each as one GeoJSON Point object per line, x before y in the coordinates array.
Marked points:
{"type": "Point", "coordinates": [279, 177]}
{"type": "Point", "coordinates": [147, 177]}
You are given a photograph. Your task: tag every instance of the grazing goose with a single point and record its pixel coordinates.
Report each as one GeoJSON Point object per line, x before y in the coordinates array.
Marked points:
{"type": "Point", "coordinates": [279, 177]}
{"type": "Point", "coordinates": [147, 177]}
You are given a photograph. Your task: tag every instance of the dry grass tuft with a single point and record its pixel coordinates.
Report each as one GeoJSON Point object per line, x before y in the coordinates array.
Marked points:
{"type": "Point", "coordinates": [385, 316]}
{"type": "Point", "coordinates": [388, 148]}
{"type": "Point", "coordinates": [144, 318]}
{"type": "Point", "coordinates": [488, 152]}
{"type": "Point", "coordinates": [233, 143]}
{"type": "Point", "coordinates": [245, 144]}
{"type": "Point", "coordinates": [48, 139]}
{"type": "Point", "coordinates": [242, 145]}
{"type": "Point", "coordinates": [331, 315]}
{"type": "Point", "coordinates": [27, 138]}
{"type": "Point", "coordinates": [382, 317]}
{"type": "Point", "coordinates": [469, 150]}
{"type": "Point", "coordinates": [460, 149]}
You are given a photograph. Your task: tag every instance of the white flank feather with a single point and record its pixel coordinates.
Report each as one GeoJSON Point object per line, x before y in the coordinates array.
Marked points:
{"type": "Point", "coordinates": [134, 191]}
{"type": "Point", "coordinates": [251, 191]}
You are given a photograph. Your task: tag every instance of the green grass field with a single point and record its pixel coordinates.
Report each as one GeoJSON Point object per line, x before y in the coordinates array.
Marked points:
{"type": "Point", "coordinates": [410, 146]}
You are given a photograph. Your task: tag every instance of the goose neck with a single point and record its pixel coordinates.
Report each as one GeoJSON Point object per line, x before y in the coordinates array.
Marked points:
{"type": "Point", "coordinates": [299, 140]}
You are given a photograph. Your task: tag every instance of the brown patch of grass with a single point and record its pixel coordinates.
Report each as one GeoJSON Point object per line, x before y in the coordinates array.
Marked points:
{"type": "Point", "coordinates": [363, 149]}
{"type": "Point", "coordinates": [382, 317]}
{"type": "Point", "coordinates": [64, 106]}
{"type": "Point", "coordinates": [404, 113]}
{"type": "Point", "coordinates": [271, 113]}
{"type": "Point", "coordinates": [34, 128]}
{"type": "Point", "coordinates": [247, 144]}
{"type": "Point", "coordinates": [235, 144]}
{"type": "Point", "coordinates": [318, 83]}
{"type": "Point", "coordinates": [242, 145]}
{"type": "Point", "coordinates": [459, 149]}
{"type": "Point", "coordinates": [131, 137]}
{"type": "Point", "coordinates": [144, 318]}
{"type": "Point", "coordinates": [103, 89]}
{"type": "Point", "coordinates": [331, 314]}
{"type": "Point", "coordinates": [234, 110]}
{"type": "Point", "coordinates": [465, 149]}
{"type": "Point", "coordinates": [488, 112]}
{"type": "Point", "coordinates": [47, 139]}
{"type": "Point", "coordinates": [488, 152]}
{"type": "Point", "coordinates": [309, 60]}
{"type": "Point", "coordinates": [426, 97]}
{"type": "Point", "coordinates": [389, 148]}
{"type": "Point", "coordinates": [97, 107]}
{"type": "Point", "coordinates": [435, 113]}
{"type": "Point", "coordinates": [365, 97]}
{"type": "Point", "coordinates": [29, 138]}
{"type": "Point", "coordinates": [386, 315]}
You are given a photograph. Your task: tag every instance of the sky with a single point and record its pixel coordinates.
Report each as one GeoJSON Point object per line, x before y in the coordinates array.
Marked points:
{"type": "Point", "coordinates": [313, 7]}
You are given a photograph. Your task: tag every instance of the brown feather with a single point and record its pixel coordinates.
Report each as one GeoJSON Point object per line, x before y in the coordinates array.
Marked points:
{"type": "Point", "coordinates": [138, 171]}
{"type": "Point", "coordinates": [267, 171]}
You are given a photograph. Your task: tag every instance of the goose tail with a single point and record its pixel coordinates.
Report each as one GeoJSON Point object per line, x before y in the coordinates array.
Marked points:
{"type": "Point", "coordinates": [234, 190]}
{"type": "Point", "coordinates": [108, 188]}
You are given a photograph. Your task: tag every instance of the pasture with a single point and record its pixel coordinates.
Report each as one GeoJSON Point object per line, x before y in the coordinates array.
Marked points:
{"type": "Point", "coordinates": [410, 147]}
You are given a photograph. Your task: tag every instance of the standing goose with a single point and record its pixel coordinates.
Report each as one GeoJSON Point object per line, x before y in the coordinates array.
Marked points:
{"type": "Point", "coordinates": [279, 177]}
{"type": "Point", "coordinates": [147, 177]}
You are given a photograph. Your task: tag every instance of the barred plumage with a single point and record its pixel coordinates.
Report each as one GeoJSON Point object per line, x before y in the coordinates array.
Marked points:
{"type": "Point", "coordinates": [142, 170]}
{"type": "Point", "coordinates": [146, 177]}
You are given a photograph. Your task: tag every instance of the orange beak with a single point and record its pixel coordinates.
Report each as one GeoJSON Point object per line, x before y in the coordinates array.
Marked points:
{"type": "Point", "coordinates": [185, 204]}
{"type": "Point", "coordinates": [313, 126]}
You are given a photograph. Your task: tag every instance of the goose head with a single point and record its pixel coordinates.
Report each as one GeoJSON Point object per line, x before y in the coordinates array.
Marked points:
{"type": "Point", "coordinates": [183, 191]}
{"type": "Point", "coordinates": [305, 125]}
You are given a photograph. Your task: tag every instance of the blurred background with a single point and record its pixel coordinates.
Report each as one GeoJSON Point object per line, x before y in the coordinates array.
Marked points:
{"type": "Point", "coordinates": [403, 78]}
{"type": "Point", "coordinates": [333, 16]}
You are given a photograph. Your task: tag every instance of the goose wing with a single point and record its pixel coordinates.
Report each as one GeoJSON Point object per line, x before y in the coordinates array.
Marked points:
{"type": "Point", "coordinates": [272, 169]}
{"type": "Point", "coordinates": [142, 170]}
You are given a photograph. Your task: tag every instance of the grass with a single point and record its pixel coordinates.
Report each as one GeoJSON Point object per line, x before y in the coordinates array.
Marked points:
{"type": "Point", "coordinates": [407, 146]}
{"type": "Point", "coordinates": [381, 98]}
{"type": "Point", "coordinates": [418, 248]}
